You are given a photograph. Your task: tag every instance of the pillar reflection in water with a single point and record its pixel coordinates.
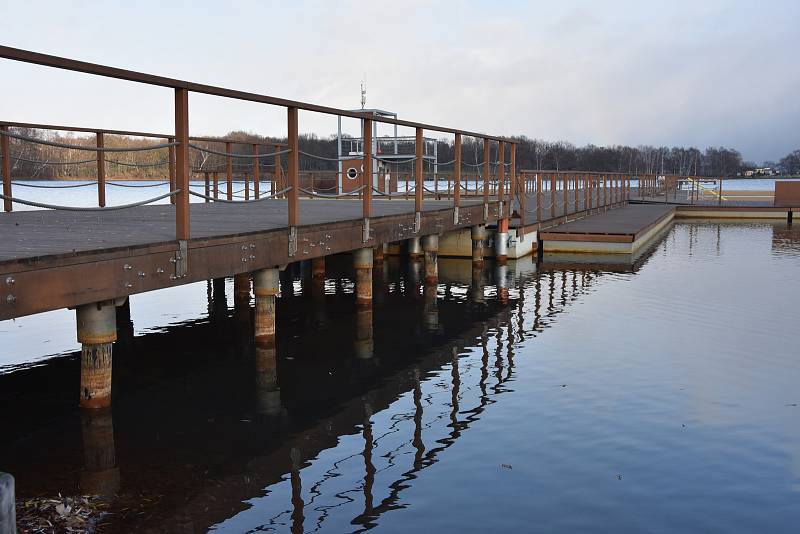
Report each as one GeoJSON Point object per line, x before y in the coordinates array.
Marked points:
{"type": "Point", "coordinates": [419, 446]}
{"type": "Point", "coordinates": [414, 278]}
{"type": "Point", "coordinates": [100, 474]}
{"type": "Point", "coordinates": [476, 289]}
{"type": "Point", "coordinates": [268, 394]}
{"type": "Point", "coordinates": [501, 281]}
{"type": "Point", "coordinates": [369, 467]}
{"type": "Point", "coordinates": [431, 308]}
{"type": "Point", "coordinates": [364, 344]}
{"type": "Point", "coordinates": [297, 489]}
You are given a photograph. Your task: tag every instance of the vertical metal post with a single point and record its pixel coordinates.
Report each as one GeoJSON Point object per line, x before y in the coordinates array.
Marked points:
{"type": "Point", "coordinates": [553, 192]}
{"type": "Point", "coordinates": [247, 186]}
{"type": "Point", "coordinates": [216, 184]}
{"type": "Point", "coordinates": [456, 176]}
{"type": "Point", "coordinates": [418, 162]}
{"type": "Point", "coordinates": [171, 166]}
{"type": "Point", "coordinates": [182, 163]}
{"type": "Point", "coordinates": [207, 189]}
{"type": "Point", "coordinates": [229, 171]}
{"type": "Point", "coordinates": [519, 189]}
{"type": "Point", "coordinates": [293, 168]}
{"type": "Point", "coordinates": [486, 171]}
{"type": "Point", "coordinates": [565, 189]}
{"type": "Point", "coordinates": [6, 153]}
{"type": "Point", "coordinates": [101, 171]}
{"type": "Point", "coordinates": [275, 185]}
{"type": "Point", "coordinates": [366, 175]}
{"type": "Point", "coordinates": [256, 172]}
{"type": "Point", "coordinates": [538, 197]}
{"type": "Point", "coordinates": [501, 177]}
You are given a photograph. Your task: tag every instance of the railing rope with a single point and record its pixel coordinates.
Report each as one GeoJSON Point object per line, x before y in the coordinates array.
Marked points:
{"type": "Point", "coordinates": [6, 133]}
{"type": "Point", "coordinates": [76, 208]}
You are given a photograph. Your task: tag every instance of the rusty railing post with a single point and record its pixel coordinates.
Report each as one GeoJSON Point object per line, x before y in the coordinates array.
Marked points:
{"type": "Point", "coordinates": [553, 193]}
{"type": "Point", "coordinates": [293, 167]}
{"type": "Point", "coordinates": [256, 173]}
{"type": "Point", "coordinates": [486, 171]}
{"type": "Point", "coordinates": [456, 177]}
{"type": "Point", "coordinates": [501, 178]}
{"type": "Point", "coordinates": [216, 184]}
{"type": "Point", "coordinates": [538, 197]}
{"type": "Point", "coordinates": [565, 189]}
{"type": "Point", "coordinates": [247, 185]}
{"type": "Point", "coordinates": [182, 163]}
{"type": "Point", "coordinates": [171, 167]}
{"type": "Point", "coordinates": [207, 185]}
{"type": "Point", "coordinates": [6, 153]}
{"type": "Point", "coordinates": [366, 179]}
{"type": "Point", "coordinates": [519, 189]}
{"type": "Point", "coordinates": [229, 171]}
{"type": "Point", "coordinates": [101, 171]}
{"type": "Point", "coordinates": [419, 184]}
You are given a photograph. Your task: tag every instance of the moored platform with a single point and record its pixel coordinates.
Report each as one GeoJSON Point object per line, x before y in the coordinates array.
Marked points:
{"type": "Point", "coordinates": [623, 230]}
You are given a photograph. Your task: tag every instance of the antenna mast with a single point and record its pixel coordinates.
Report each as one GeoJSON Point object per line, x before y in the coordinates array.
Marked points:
{"type": "Point", "coordinates": [364, 92]}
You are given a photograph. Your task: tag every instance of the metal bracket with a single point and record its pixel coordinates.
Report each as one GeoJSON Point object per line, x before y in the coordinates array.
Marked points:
{"type": "Point", "coordinates": [417, 222]}
{"type": "Point", "coordinates": [365, 230]}
{"type": "Point", "coordinates": [181, 260]}
{"type": "Point", "coordinates": [455, 215]}
{"type": "Point", "coordinates": [292, 240]}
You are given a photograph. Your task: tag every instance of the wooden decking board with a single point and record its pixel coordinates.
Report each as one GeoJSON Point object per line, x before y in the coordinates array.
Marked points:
{"type": "Point", "coordinates": [28, 234]}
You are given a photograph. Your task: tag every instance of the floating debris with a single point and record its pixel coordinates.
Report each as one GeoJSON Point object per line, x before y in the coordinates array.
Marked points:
{"type": "Point", "coordinates": [69, 515]}
{"type": "Point", "coordinates": [506, 466]}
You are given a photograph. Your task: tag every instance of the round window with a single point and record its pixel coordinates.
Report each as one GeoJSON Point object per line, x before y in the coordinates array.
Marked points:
{"type": "Point", "coordinates": [352, 173]}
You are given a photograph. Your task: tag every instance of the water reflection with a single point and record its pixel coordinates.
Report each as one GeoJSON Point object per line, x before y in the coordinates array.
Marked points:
{"type": "Point", "coordinates": [332, 427]}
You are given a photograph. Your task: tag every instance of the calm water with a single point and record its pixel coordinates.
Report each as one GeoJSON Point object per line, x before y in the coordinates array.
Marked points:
{"type": "Point", "coordinates": [663, 398]}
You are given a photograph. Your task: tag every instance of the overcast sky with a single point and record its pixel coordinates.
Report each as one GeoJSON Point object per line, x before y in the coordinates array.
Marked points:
{"type": "Point", "coordinates": [664, 73]}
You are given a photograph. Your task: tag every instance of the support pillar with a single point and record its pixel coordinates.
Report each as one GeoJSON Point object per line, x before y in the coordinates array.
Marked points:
{"type": "Point", "coordinates": [478, 234]}
{"type": "Point", "coordinates": [318, 268]}
{"type": "Point", "coordinates": [414, 248]}
{"type": "Point", "coordinates": [501, 241]}
{"type": "Point", "coordinates": [241, 289]}
{"type": "Point", "coordinates": [430, 310]}
{"type": "Point", "coordinates": [380, 253]}
{"type": "Point", "coordinates": [266, 285]}
{"type": "Point", "coordinates": [97, 331]}
{"type": "Point", "coordinates": [430, 244]}
{"type": "Point", "coordinates": [362, 260]}
{"type": "Point", "coordinates": [219, 302]}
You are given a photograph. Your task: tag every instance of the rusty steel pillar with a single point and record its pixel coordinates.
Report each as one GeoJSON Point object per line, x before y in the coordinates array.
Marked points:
{"type": "Point", "coordinates": [478, 235]}
{"type": "Point", "coordinates": [318, 268]}
{"type": "Point", "coordinates": [414, 248]}
{"type": "Point", "coordinates": [362, 260]}
{"type": "Point", "coordinates": [97, 331]}
{"type": "Point", "coordinates": [268, 394]}
{"type": "Point", "coordinates": [241, 297]}
{"type": "Point", "coordinates": [266, 285]}
{"type": "Point", "coordinates": [100, 474]}
{"type": "Point", "coordinates": [380, 253]}
{"type": "Point", "coordinates": [364, 346]}
{"type": "Point", "coordinates": [501, 282]}
{"type": "Point", "coordinates": [430, 244]}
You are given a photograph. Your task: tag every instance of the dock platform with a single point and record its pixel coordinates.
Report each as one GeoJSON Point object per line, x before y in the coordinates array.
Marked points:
{"type": "Point", "coordinates": [623, 230]}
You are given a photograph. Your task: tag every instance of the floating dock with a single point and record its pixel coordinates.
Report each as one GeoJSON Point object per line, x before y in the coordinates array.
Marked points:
{"type": "Point", "coordinates": [622, 230]}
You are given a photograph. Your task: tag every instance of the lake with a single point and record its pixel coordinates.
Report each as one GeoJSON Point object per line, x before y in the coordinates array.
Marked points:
{"type": "Point", "coordinates": [657, 398]}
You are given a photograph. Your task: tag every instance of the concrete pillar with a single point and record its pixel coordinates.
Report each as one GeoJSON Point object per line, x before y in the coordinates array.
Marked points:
{"type": "Point", "coordinates": [266, 285]}
{"type": "Point", "coordinates": [364, 345]}
{"type": "Point", "coordinates": [430, 245]}
{"type": "Point", "coordinates": [100, 474]}
{"type": "Point", "coordinates": [268, 394]}
{"type": "Point", "coordinates": [8, 515]}
{"type": "Point", "coordinates": [414, 248]}
{"type": "Point", "coordinates": [501, 241]}
{"type": "Point", "coordinates": [362, 260]}
{"type": "Point", "coordinates": [97, 331]}
{"type": "Point", "coordinates": [318, 268]}
{"type": "Point", "coordinates": [501, 283]}
{"type": "Point", "coordinates": [478, 235]}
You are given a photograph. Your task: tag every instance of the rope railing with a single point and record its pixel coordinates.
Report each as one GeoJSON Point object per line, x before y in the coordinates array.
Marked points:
{"type": "Point", "coordinates": [315, 156]}
{"type": "Point", "coordinates": [225, 201]}
{"type": "Point", "coordinates": [118, 184]}
{"type": "Point", "coordinates": [138, 165]}
{"type": "Point", "coordinates": [56, 144]}
{"type": "Point", "coordinates": [239, 155]}
{"type": "Point", "coordinates": [48, 162]}
{"type": "Point", "coordinates": [39, 186]}
{"type": "Point", "coordinates": [75, 208]}
{"type": "Point", "coordinates": [339, 195]}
